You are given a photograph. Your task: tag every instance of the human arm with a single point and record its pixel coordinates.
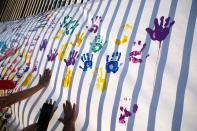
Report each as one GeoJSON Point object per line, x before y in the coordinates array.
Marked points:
{"type": "Point", "coordinates": [19, 96]}
{"type": "Point", "coordinates": [46, 113]}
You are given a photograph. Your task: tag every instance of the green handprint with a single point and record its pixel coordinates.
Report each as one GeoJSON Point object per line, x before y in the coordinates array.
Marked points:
{"type": "Point", "coordinates": [97, 44]}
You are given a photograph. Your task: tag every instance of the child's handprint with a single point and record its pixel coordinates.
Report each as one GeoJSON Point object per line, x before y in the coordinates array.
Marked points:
{"type": "Point", "coordinates": [160, 31]}
{"type": "Point", "coordinates": [101, 80]}
{"type": "Point", "coordinates": [97, 44]}
{"type": "Point", "coordinates": [112, 65]}
{"type": "Point", "coordinates": [95, 24]}
{"type": "Point", "coordinates": [67, 78]}
{"type": "Point", "coordinates": [87, 60]}
{"type": "Point", "coordinates": [123, 41]}
{"type": "Point", "coordinates": [43, 44]}
{"type": "Point", "coordinates": [133, 55]}
{"type": "Point", "coordinates": [35, 66]}
{"type": "Point", "coordinates": [126, 113]}
{"type": "Point", "coordinates": [63, 51]}
{"type": "Point", "coordinates": [52, 55]}
{"type": "Point", "coordinates": [27, 80]}
{"type": "Point", "coordinates": [72, 57]}
{"type": "Point", "coordinates": [78, 39]}
{"type": "Point", "coordinates": [126, 27]}
{"type": "Point", "coordinates": [59, 34]}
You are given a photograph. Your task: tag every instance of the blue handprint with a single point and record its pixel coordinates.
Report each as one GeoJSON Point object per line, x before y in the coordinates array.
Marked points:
{"type": "Point", "coordinates": [87, 60]}
{"type": "Point", "coordinates": [160, 31]}
{"type": "Point", "coordinates": [112, 65]}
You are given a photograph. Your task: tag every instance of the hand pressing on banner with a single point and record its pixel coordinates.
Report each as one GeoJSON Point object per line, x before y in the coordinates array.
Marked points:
{"type": "Point", "coordinates": [70, 116]}
{"type": "Point", "coordinates": [19, 96]}
{"type": "Point", "coordinates": [46, 113]}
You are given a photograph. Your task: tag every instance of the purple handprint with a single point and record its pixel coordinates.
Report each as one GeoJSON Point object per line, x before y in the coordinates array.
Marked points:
{"type": "Point", "coordinates": [95, 24]}
{"type": "Point", "coordinates": [52, 55]}
{"type": "Point", "coordinates": [125, 113]}
{"type": "Point", "coordinates": [161, 30]}
{"type": "Point", "coordinates": [43, 44]}
{"type": "Point", "coordinates": [72, 57]}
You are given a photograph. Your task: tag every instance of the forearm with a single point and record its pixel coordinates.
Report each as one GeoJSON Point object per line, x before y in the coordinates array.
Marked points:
{"type": "Point", "coordinates": [19, 96]}
{"type": "Point", "coordinates": [30, 128]}
{"type": "Point", "coordinates": [70, 127]}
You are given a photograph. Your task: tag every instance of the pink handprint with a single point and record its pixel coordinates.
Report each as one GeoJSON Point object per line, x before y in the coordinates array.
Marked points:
{"type": "Point", "coordinates": [133, 55]}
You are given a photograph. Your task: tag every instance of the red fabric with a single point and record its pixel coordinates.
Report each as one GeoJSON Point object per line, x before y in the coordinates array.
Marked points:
{"type": "Point", "coordinates": [7, 84]}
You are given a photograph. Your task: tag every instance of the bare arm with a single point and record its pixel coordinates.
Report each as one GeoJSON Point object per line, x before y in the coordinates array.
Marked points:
{"type": "Point", "coordinates": [31, 127]}
{"type": "Point", "coordinates": [19, 96]}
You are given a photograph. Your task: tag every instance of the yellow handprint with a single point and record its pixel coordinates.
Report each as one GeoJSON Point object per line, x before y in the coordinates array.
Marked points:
{"type": "Point", "coordinates": [63, 52]}
{"type": "Point", "coordinates": [28, 80]}
{"type": "Point", "coordinates": [67, 78]}
{"type": "Point", "coordinates": [78, 39]}
{"type": "Point", "coordinates": [59, 34]}
{"type": "Point", "coordinates": [127, 27]}
{"type": "Point", "coordinates": [101, 82]}
{"type": "Point", "coordinates": [25, 56]}
{"type": "Point", "coordinates": [123, 41]}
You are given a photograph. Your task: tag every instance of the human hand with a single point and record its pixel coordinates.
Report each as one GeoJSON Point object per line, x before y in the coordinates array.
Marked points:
{"type": "Point", "coordinates": [70, 114]}
{"type": "Point", "coordinates": [46, 113]}
{"type": "Point", "coordinates": [45, 78]}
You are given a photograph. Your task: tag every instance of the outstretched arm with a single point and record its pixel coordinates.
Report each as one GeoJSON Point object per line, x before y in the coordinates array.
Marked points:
{"type": "Point", "coordinates": [19, 96]}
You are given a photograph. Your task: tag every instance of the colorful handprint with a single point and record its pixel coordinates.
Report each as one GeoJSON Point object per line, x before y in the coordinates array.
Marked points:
{"type": "Point", "coordinates": [67, 78]}
{"type": "Point", "coordinates": [59, 34]}
{"type": "Point", "coordinates": [43, 45]}
{"type": "Point", "coordinates": [63, 51]}
{"type": "Point", "coordinates": [87, 60]}
{"type": "Point", "coordinates": [113, 65]}
{"type": "Point", "coordinates": [161, 30]}
{"type": "Point", "coordinates": [101, 80]}
{"type": "Point", "coordinates": [123, 41]}
{"type": "Point", "coordinates": [78, 39]}
{"type": "Point", "coordinates": [27, 80]}
{"type": "Point", "coordinates": [126, 113]}
{"type": "Point", "coordinates": [69, 25]}
{"type": "Point", "coordinates": [135, 56]}
{"type": "Point", "coordinates": [97, 44]}
{"type": "Point", "coordinates": [52, 55]}
{"type": "Point", "coordinates": [95, 24]}
{"type": "Point", "coordinates": [72, 57]}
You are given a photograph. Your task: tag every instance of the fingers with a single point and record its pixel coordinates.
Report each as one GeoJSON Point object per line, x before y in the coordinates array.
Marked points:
{"type": "Point", "coordinates": [156, 23]}
{"type": "Point", "coordinates": [74, 112]}
{"type": "Point", "coordinates": [50, 102]}
{"type": "Point", "coordinates": [61, 120]}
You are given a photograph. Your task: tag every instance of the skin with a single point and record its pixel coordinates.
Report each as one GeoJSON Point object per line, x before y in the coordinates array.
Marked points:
{"type": "Point", "coordinates": [6, 101]}
{"type": "Point", "coordinates": [33, 127]}
{"type": "Point", "coordinates": [70, 116]}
